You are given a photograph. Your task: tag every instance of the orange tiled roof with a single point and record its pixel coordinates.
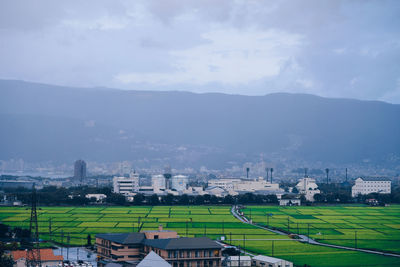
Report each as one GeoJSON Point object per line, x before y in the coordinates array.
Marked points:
{"type": "Point", "coordinates": [46, 254]}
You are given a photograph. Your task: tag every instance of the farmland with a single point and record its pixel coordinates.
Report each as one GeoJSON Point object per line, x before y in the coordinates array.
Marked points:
{"type": "Point", "coordinates": [376, 228]}
{"type": "Point", "coordinates": [212, 221]}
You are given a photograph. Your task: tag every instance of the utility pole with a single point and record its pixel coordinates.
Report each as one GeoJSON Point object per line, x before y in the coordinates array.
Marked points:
{"type": "Point", "coordinates": [138, 224]}
{"type": "Point", "coordinates": [50, 228]}
{"type": "Point", "coordinates": [355, 239]}
{"type": "Point", "coordinates": [62, 243]}
{"type": "Point", "coordinates": [244, 241]}
{"type": "Point", "coordinates": [239, 256]}
{"type": "Point", "coordinates": [33, 253]}
{"type": "Point", "coordinates": [305, 172]}
{"type": "Point", "coordinates": [346, 175]}
{"type": "Point", "coordinates": [68, 239]}
{"type": "Point", "coordinates": [272, 248]}
{"type": "Point", "coordinates": [247, 172]}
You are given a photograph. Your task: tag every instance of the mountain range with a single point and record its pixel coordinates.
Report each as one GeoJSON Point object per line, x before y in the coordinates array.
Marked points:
{"type": "Point", "coordinates": [42, 122]}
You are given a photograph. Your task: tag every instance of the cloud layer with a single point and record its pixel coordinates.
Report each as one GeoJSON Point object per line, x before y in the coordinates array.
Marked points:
{"type": "Point", "coordinates": [329, 48]}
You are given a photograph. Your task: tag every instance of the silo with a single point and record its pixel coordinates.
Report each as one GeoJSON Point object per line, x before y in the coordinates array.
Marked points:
{"type": "Point", "coordinates": [179, 182]}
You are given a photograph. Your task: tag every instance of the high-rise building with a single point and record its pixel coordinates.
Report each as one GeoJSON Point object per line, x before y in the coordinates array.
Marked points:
{"type": "Point", "coordinates": [80, 170]}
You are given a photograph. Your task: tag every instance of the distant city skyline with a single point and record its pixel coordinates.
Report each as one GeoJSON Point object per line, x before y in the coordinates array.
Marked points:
{"type": "Point", "coordinates": [345, 49]}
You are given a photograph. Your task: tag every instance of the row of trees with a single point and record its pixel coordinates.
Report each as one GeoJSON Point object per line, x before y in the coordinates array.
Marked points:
{"type": "Point", "coordinates": [76, 196]}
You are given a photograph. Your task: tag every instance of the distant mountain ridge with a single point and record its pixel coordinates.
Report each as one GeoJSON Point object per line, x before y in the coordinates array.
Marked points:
{"type": "Point", "coordinates": [45, 122]}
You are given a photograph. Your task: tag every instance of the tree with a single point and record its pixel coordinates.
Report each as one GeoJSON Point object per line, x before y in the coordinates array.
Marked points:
{"type": "Point", "coordinates": [154, 200]}
{"type": "Point", "coordinates": [5, 260]}
{"type": "Point", "coordinates": [295, 190]}
{"type": "Point", "coordinates": [117, 199]}
{"type": "Point", "coordinates": [138, 199]}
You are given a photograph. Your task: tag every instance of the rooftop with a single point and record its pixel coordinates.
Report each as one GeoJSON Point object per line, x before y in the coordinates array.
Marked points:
{"type": "Point", "coordinates": [183, 242]}
{"type": "Point", "coordinates": [374, 179]}
{"type": "Point", "coordinates": [46, 254]}
{"type": "Point", "coordinates": [266, 259]}
{"type": "Point", "coordinates": [123, 238]}
{"type": "Point", "coordinates": [152, 259]}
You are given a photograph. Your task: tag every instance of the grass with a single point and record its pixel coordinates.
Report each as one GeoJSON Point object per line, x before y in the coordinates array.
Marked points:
{"type": "Point", "coordinates": [216, 221]}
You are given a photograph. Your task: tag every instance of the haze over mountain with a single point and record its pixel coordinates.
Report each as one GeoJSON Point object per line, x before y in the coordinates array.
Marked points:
{"type": "Point", "coordinates": [43, 122]}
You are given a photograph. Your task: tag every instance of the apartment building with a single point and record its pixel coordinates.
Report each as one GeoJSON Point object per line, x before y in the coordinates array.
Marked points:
{"type": "Point", "coordinates": [179, 252]}
{"type": "Point", "coordinates": [365, 186]}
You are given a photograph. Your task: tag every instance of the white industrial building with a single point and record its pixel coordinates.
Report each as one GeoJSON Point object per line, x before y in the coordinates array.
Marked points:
{"type": "Point", "coordinates": [308, 188]}
{"type": "Point", "coordinates": [179, 182]}
{"type": "Point", "coordinates": [266, 261]}
{"type": "Point", "coordinates": [158, 182]}
{"type": "Point", "coordinates": [241, 185]}
{"type": "Point", "coordinates": [364, 186]}
{"type": "Point", "coordinates": [126, 185]}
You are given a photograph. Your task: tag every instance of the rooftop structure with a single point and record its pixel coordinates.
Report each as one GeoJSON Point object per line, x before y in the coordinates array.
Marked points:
{"type": "Point", "coordinates": [308, 188]}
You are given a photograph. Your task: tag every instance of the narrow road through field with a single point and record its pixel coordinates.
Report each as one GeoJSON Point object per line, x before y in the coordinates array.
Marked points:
{"type": "Point", "coordinates": [306, 239]}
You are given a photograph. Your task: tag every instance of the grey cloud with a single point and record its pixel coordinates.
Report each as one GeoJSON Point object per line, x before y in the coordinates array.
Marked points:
{"type": "Point", "coordinates": [348, 49]}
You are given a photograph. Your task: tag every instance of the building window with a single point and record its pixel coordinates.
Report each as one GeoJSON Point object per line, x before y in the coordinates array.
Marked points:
{"type": "Point", "coordinates": [155, 236]}
{"type": "Point", "coordinates": [176, 254]}
{"type": "Point", "coordinates": [181, 254]}
{"type": "Point", "coordinates": [169, 254]}
{"type": "Point", "coordinates": [197, 254]}
{"type": "Point", "coordinates": [181, 264]}
{"type": "Point", "coordinates": [198, 264]}
{"type": "Point", "coordinates": [211, 264]}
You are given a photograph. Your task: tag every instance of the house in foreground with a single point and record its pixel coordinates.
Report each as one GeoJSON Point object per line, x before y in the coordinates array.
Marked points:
{"type": "Point", "coordinates": [177, 251]}
{"type": "Point", "coordinates": [47, 257]}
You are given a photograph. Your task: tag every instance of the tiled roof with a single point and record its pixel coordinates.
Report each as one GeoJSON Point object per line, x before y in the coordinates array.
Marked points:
{"type": "Point", "coordinates": [46, 254]}
{"type": "Point", "coordinates": [125, 239]}
{"type": "Point", "coordinates": [182, 243]}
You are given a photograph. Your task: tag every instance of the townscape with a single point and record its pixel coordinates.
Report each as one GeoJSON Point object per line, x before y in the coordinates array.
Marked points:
{"type": "Point", "coordinates": [199, 133]}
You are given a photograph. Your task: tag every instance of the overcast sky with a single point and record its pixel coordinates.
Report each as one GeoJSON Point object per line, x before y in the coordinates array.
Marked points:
{"type": "Point", "coordinates": [329, 48]}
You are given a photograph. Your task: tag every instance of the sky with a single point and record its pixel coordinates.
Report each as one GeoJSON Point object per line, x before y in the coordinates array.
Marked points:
{"type": "Point", "coordinates": [331, 48]}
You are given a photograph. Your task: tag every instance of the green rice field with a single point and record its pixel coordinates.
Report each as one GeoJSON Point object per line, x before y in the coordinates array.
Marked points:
{"type": "Point", "coordinates": [376, 228]}
{"type": "Point", "coordinates": [212, 221]}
